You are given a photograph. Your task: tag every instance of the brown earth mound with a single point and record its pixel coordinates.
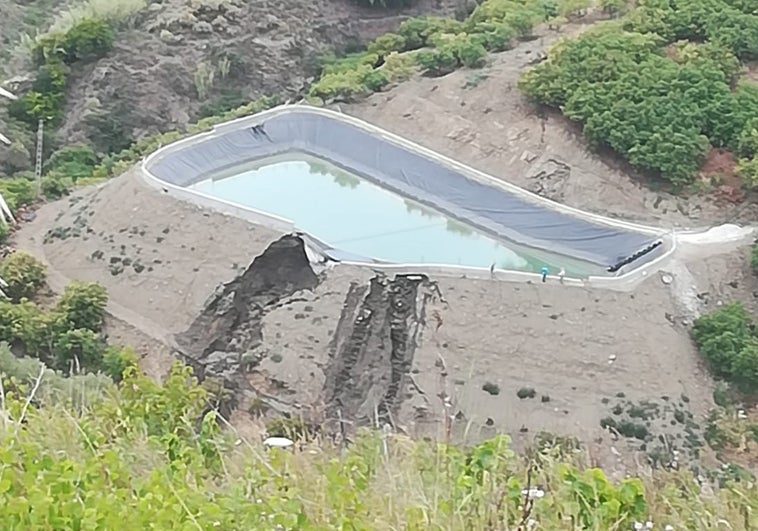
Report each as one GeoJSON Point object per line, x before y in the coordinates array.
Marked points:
{"type": "Point", "coordinates": [370, 351]}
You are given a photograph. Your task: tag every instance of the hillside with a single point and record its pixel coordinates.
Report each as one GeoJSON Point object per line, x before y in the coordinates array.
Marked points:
{"type": "Point", "coordinates": [163, 65]}
{"type": "Point", "coordinates": [148, 346]}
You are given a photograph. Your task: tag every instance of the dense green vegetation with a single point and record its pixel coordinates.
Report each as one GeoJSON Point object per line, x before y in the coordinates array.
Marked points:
{"type": "Point", "coordinates": [434, 45]}
{"type": "Point", "coordinates": [68, 336]}
{"type": "Point", "coordinates": [728, 340]}
{"type": "Point", "coordinates": [660, 86]}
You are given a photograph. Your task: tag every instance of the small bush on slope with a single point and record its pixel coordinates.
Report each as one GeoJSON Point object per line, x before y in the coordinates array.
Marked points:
{"type": "Point", "coordinates": [23, 273]}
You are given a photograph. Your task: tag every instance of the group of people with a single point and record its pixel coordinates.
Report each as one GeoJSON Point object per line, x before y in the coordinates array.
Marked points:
{"type": "Point", "coordinates": [544, 272]}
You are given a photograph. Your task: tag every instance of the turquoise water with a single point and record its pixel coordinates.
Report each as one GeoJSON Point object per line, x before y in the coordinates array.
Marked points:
{"type": "Point", "coordinates": [359, 217]}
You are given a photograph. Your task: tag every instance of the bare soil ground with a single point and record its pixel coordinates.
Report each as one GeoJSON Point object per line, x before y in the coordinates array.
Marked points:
{"type": "Point", "coordinates": [107, 234]}
{"type": "Point", "coordinates": [585, 350]}
{"type": "Point", "coordinates": [479, 117]}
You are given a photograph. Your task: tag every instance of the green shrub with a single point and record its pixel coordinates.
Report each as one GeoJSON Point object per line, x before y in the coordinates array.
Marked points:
{"type": "Point", "coordinates": [24, 274]}
{"type": "Point", "coordinates": [226, 100]}
{"type": "Point", "coordinates": [399, 67]}
{"type": "Point", "coordinates": [374, 80]}
{"type": "Point", "coordinates": [117, 360]}
{"type": "Point", "coordinates": [495, 37]}
{"type": "Point", "coordinates": [88, 38]}
{"type": "Point", "coordinates": [754, 259]}
{"type": "Point", "coordinates": [17, 191]}
{"type": "Point", "coordinates": [53, 187]}
{"type": "Point", "coordinates": [615, 82]}
{"type": "Point", "coordinates": [24, 325]}
{"type": "Point", "coordinates": [471, 53]}
{"type": "Point", "coordinates": [417, 31]}
{"type": "Point", "coordinates": [347, 80]}
{"type": "Point", "coordinates": [613, 7]}
{"type": "Point", "coordinates": [34, 106]}
{"type": "Point", "coordinates": [699, 20]}
{"type": "Point", "coordinates": [521, 13]}
{"type": "Point", "coordinates": [747, 170]}
{"type": "Point", "coordinates": [5, 232]}
{"type": "Point", "coordinates": [747, 142]}
{"type": "Point", "coordinates": [727, 340]}
{"type": "Point", "coordinates": [82, 305]}
{"type": "Point", "coordinates": [75, 161]}
{"type": "Point", "coordinates": [349, 63]}
{"type": "Point", "coordinates": [387, 43]}
{"type": "Point", "coordinates": [78, 350]}
{"type": "Point", "coordinates": [437, 62]}
{"type": "Point", "coordinates": [51, 78]}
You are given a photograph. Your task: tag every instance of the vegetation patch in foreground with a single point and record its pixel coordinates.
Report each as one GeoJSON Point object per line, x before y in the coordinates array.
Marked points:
{"type": "Point", "coordinates": [147, 454]}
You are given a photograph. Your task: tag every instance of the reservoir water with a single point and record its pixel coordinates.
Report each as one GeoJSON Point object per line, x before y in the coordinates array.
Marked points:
{"type": "Point", "coordinates": [356, 216]}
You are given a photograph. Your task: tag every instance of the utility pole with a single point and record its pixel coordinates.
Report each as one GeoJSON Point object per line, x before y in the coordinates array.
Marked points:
{"type": "Point", "coordinates": [38, 165]}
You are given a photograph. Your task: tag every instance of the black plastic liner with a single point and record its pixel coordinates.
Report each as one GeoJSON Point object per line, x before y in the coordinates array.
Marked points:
{"type": "Point", "coordinates": [403, 170]}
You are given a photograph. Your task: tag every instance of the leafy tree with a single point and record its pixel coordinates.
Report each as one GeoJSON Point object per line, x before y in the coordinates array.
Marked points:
{"type": "Point", "coordinates": [24, 274]}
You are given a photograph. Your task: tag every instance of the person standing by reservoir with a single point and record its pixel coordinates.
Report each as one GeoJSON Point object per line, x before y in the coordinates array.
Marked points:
{"type": "Point", "coordinates": [545, 271]}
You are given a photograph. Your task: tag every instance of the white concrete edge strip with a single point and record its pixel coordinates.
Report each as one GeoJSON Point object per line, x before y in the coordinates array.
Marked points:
{"type": "Point", "coordinates": [623, 281]}
{"type": "Point", "coordinates": [7, 94]}
{"type": "Point", "coordinates": [5, 212]}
